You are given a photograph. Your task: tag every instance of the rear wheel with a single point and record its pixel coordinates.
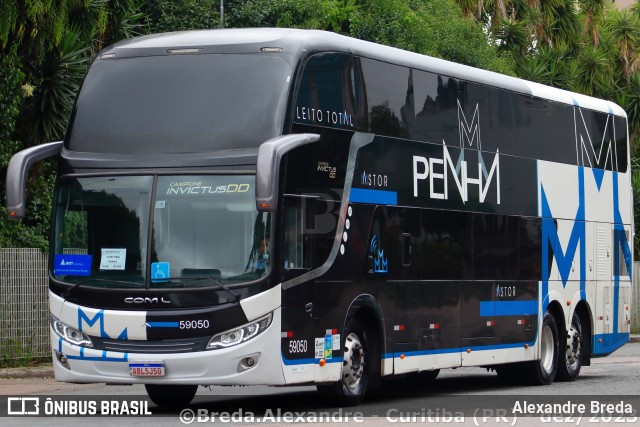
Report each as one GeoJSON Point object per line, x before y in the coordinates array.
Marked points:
{"type": "Point", "coordinates": [543, 371]}
{"type": "Point", "coordinates": [570, 355]}
{"type": "Point", "coordinates": [171, 396]}
{"type": "Point", "coordinates": [356, 367]}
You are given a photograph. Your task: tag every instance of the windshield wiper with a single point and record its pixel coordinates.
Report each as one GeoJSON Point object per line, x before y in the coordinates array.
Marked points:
{"type": "Point", "coordinates": [179, 280]}
{"type": "Point", "coordinates": [86, 282]}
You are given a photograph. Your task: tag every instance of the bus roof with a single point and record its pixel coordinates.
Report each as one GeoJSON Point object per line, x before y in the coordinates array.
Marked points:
{"type": "Point", "coordinates": [299, 43]}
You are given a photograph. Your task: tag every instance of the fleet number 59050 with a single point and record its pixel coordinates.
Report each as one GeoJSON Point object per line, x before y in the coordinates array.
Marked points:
{"type": "Point", "coordinates": [194, 324]}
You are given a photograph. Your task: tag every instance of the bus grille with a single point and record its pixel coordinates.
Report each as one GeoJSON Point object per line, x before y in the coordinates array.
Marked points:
{"type": "Point", "coordinates": [184, 345]}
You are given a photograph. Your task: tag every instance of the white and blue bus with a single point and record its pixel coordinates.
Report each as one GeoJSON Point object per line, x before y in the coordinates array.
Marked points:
{"type": "Point", "coordinates": [274, 206]}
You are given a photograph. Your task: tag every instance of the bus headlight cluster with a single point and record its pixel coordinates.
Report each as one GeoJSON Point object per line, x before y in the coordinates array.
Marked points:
{"type": "Point", "coordinates": [69, 334]}
{"type": "Point", "coordinates": [241, 334]}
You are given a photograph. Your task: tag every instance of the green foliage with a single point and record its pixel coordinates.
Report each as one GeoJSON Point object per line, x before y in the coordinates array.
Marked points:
{"type": "Point", "coordinates": [311, 14]}
{"type": "Point", "coordinates": [55, 41]}
{"type": "Point", "coordinates": [435, 28]}
{"type": "Point", "coordinates": [593, 73]}
{"type": "Point", "coordinates": [430, 27]}
{"type": "Point", "coordinates": [11, 94]}
{"type": "Point", "coordinates": [171, 15]}
{"type": "Point", "coordinates": [60, 77]}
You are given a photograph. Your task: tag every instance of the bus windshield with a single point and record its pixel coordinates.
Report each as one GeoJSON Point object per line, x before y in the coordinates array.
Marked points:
{"type": "Point", "coordinates": [205, 230]}
{"type": "Point", "coordinates": [179, 104]}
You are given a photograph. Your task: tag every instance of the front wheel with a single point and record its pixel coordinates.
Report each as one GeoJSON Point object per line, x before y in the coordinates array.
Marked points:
{"type": "Point", "coordinates": [356, 367]}
{"type": "Point", "coordinates": [570, 355]}
{"type": "Point", "coordinates": [171, 396]}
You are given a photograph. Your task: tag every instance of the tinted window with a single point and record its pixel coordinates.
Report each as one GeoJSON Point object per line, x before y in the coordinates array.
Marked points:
{"type": "Point", "coordinates": [600, 146]}
{"type": "Point", "coordinates": [446, 245]}
{"type": "Point", "coordinates": [179, 104]}
{"type": "Point", "coordinates": [530, 249]}
{"type": "Point", "coordinates": [208, 226]}
{"type": "Point", "coordinates": [621, 143]}
{"type": "Point", "coordinates": [389, 97]}
{"type": "Point", "coordinates": [102, 224]}
{"type": "Point", "coordinates": [309, 231]}
{"type": "Point", "coordinates": [326, 96]}
{"type": "Point", "coordinates": [495, 247]}
{"type": "Point", "coordinates": [436, 108]}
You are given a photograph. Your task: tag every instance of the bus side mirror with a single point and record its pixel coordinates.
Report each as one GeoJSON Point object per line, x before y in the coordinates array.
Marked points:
{"type": "Point", "coordinates": [17, 172]}
{"type": "Point", "coordinates": [270, 155]}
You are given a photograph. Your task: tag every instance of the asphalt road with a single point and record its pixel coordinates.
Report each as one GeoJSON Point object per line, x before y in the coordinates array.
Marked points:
{"type": "Point", "coordinates": [464, 391]}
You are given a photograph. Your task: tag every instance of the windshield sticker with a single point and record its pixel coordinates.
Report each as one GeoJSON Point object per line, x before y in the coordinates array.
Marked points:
{"type": "Point", "coordinates": [72, 265]}
{"type": "Point", "coordinates": [113, 259]}
{"type": "Point", "coordinates": [159, 271]}
{"type": "Point", "coordinates": [160, 204]}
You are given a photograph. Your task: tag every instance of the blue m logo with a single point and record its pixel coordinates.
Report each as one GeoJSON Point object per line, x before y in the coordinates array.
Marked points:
{"type": "Point", "coordinates": [380, 264]}
{"type": "Point", "coordinates": [99, 318]}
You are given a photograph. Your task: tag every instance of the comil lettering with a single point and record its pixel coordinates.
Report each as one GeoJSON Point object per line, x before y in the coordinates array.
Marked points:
{"type": "Point", "coordinates": [440, 169]}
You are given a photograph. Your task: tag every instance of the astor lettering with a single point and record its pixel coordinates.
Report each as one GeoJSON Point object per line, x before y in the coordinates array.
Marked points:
{"type": "Point", "coordinates": [505, 291]}
{"type": "Point", "coordinates": [374, 179]}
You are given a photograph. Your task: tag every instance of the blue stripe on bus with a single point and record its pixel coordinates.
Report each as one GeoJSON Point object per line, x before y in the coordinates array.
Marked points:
{"type": "Point", "coordinates": [162, 324]}
{"type": "Point", "coordinates": [456, 350]}
{"type": "Point", "coordinates": [378, 197]}
{"type": "Point", "coordinates": [610, 342]}
{"type": "Point", "coordinates": [508, 308]}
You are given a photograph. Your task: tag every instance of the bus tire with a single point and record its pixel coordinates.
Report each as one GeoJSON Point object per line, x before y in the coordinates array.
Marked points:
{"type": "Point", "coordinates": [356, 368]}
{"type": "Point", "coordinates": [171, 396]}
{"type": "Point", "coordinates": [543, 371]}
{"type": "Point", "coordinates": [570, 355]}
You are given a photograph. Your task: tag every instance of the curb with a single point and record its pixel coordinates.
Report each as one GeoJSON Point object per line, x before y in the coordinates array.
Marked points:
{"type": "Point", "coordinates": [34, 372]}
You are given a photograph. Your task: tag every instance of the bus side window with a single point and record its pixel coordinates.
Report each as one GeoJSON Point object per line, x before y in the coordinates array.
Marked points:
{"type": "Point", "coordinates": [297, 244]}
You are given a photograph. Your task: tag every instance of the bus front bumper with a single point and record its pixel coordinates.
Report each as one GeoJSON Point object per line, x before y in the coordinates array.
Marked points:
{"type": "Point", "coordinates": [214, 367]}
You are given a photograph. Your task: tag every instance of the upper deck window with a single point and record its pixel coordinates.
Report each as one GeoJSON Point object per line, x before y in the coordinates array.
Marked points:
{"type": "Point", "coordinates": [180, 104]}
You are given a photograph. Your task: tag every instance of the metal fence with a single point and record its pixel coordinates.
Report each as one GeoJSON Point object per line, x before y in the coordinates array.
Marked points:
{"type": "Point", "coordinates": [24, 305]}
{"type": "Point", "coordinates": [24, 310]}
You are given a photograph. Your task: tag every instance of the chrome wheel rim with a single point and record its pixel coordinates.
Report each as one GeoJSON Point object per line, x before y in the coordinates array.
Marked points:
{"type": "Point", "coordinates": [573, 347]}
{"type": "Point", "coordinates": [546, 350]}
{"type": "Point", "coordinates": [353, 364]}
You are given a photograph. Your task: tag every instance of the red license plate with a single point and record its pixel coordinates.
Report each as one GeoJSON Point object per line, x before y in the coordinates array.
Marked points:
{"type": "Point", "coordinates": [147, 369]}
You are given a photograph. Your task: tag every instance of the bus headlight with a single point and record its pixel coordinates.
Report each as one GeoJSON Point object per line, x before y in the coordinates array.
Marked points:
{"type": "Point", "coordinates": [69, 334]}
{"type": "Point", "coordinates": [241, 334]}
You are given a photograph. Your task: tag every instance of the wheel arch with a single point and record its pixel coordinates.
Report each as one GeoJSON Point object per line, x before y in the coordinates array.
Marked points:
{"type": "Point", "coordinates": [556, 310]}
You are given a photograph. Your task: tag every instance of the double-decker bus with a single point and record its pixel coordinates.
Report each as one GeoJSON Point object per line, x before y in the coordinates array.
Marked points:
{"type": "Point", "coordinates": [275, 206]}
